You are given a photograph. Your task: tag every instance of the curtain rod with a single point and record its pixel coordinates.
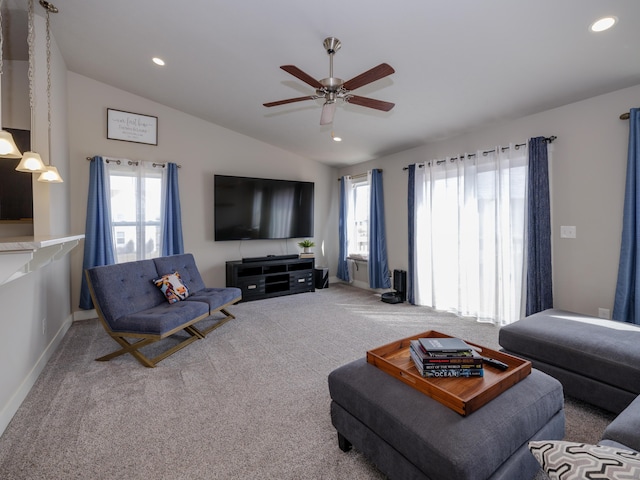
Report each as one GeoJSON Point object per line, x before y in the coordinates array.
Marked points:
{"type": "Point", "coordinates": [358, 175]}
{"type": "Point", "coordinates": [484, 152]}
{"type": "Point", "coordinates": [624, 116]}
{"type": "Point", "coordinates": [131, 162]}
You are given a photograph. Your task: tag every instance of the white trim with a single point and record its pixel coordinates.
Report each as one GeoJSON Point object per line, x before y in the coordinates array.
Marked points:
{"type": "Point", "coordinates": [79, 315]}
{"type": "Point", "coordinates": [21, 393]}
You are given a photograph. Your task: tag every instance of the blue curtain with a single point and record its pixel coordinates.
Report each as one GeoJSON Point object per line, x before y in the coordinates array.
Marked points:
{"type": "Point", "coordinates": [379, 276]}
{"type": "Point", "coordinates": [625, 307]}
{"type": "Point", "coordinates": [172, 243]}
{"type": "Point", "coordinates": [343, 266]}
{"type": "Point", "coordinates": [411, 207]}
{"type": "Point", "coordinates": [539, 278]}
{"type": "Point", "coordinates": [98, 242]}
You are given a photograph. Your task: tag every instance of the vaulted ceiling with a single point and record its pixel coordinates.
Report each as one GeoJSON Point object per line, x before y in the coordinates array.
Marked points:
{"type": "Point", "coordinates": [458, 64]}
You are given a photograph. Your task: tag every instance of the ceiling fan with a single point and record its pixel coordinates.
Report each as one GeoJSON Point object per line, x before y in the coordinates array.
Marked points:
{"type": "Point", "coordinates": [332, 88]}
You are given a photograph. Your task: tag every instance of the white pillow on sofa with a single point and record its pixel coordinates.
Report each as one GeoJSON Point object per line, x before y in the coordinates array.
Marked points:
{"type": "Point", "coordinates": [577, 461]}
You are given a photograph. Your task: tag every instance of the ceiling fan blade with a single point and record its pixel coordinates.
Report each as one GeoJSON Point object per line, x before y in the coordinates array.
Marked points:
{"type": "Point", "coordinates": [328, 109]}
{"type": "Point", "coordinates": [296, 72]}
{"type": "Point", "coordinates": [289, 100]}
{"type": "Point", "coordinates": [370, 102]}
{"type": "Point", "coordinates": [376, 73]}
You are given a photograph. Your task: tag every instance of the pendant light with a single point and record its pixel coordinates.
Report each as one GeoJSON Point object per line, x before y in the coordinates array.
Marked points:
{"type": "Point", "coordinates": [8, 148]}
{"type": "Point", "coordinates": [50, 175]}
{"type": "Point", "coordinates": [31, 161]}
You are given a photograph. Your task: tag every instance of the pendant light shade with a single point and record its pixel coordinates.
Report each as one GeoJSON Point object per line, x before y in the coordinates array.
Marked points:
{"type": "Point", "coordinates": [31, 163]}
{"type": "Point", "coordinates": [50, 175]}
{"type": "Point", "coordinates": [8, 148]}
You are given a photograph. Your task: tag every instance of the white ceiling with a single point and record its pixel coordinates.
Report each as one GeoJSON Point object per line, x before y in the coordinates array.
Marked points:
{"type": "Point", "coordinates": [459, 64]}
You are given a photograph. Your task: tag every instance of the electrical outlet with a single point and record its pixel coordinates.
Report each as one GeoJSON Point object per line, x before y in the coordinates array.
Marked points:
{"type": "Point", "coordinates": [567, 232]}
{"type": "Point", "coordinates": [604, 313]}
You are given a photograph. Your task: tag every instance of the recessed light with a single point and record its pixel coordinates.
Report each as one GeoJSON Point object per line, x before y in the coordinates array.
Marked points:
{"type": "Point", "coordinates": [335, 137]}
{"type": "Point", "coordinates": [158, 61]}
{"type": "Point", "coordinates": [602, 24]}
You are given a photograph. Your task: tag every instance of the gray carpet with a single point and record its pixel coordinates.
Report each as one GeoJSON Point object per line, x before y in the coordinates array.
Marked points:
{"type": "Point", "coordinates": [249, 401]}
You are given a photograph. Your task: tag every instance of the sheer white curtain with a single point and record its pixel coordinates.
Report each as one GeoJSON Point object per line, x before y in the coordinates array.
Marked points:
{"type": "Point", "coordinates": [470, 230]}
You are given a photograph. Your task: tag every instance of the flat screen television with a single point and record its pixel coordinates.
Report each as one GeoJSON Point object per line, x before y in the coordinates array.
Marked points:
{"type": "Point", "coordinates": [260, 208]}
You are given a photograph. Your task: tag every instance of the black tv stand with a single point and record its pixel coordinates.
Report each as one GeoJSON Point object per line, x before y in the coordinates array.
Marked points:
{"type": "Point", "coordinates": [265, 277]}
{"type": "Point", "coordinates": [269, 258]}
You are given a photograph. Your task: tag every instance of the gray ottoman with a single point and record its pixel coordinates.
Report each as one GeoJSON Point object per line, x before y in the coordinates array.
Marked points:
{"type": "Point", "coordinates": [408, 435]}
{"type": "Point", "coordinates": [596, 360]}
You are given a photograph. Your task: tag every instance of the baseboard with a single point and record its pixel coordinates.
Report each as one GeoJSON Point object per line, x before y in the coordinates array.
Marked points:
{"type": "Point", "coordinates": [359, 284]}
{"type": "Point", "coordinates": [84, 315]}
{"type": "Point", "coordinates": [21, 393]}
{"type": "Point", "coordinates": [353, 283]}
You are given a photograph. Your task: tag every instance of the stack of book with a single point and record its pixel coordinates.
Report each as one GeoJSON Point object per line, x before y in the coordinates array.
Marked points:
{"type": "Point", "coordinates": [445, 357]}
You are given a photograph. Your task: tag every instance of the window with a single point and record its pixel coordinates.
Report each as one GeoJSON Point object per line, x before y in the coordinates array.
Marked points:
{"type": "Point", "coordinates": [359, 220]}
{"type": "Point", "coordinates": [469, 248]}
{"type": "Point", "coordinates": [136, 206]}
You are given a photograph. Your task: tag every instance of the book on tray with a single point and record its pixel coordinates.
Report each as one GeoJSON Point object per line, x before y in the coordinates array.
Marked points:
{"type": "Point", "coordinates": [448, 346]}
{"type": "Point", "coordinates": [464, 362]}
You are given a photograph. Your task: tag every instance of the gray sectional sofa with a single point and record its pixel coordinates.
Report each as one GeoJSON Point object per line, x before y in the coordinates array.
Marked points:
{"type": "Point", "coordinates": [596, 360]}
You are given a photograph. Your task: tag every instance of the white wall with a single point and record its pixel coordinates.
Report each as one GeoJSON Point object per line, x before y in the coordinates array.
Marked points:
{"type": "Point", "coordinates": [588, 176]}
{"type": "Point", "coordinates": [203, 149]}
{"type": "Point", "coordinates": [36, 308]}
{"type": "Point", "coordinates": [15, 95]}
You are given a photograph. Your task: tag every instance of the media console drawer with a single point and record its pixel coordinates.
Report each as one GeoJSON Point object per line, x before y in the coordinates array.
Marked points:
{"type": "Point", "coordinates": [301, 281]}
{"type": "Point", "coordinates": [251, 286]}
{"type": "Point", "coordinates": [271, 278]}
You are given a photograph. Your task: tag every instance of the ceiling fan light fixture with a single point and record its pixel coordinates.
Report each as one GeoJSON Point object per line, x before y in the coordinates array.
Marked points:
{"type": "Point", "coordinates": [602, 24]}
{"type": "Point", "coordinates": [328, 110]}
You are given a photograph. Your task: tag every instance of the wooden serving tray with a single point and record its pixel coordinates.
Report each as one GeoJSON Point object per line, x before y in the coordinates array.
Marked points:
{"type": "Point", "coordinates": [463, 395]}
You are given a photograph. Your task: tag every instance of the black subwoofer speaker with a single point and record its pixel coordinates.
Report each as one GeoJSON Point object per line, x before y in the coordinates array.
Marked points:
{"type": "Point", "coordinates": [322, 277]}
{"type": "Point", "coordinates": [400, 283]}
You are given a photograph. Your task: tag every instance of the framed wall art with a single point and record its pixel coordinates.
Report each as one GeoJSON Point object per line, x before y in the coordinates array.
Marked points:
{"type": "Point", "coordinates": [132, 127]}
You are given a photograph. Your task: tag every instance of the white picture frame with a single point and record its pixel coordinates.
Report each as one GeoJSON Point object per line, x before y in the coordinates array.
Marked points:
{"type": "Point", "coordinates": [132, 127]}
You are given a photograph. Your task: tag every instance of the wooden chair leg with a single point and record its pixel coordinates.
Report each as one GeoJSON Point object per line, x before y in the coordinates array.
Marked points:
{"type": "Point", "coordinates": [219, 323]}
{"type": "Point", "coordinates": [134, 348]}
{"type": "Point", "coordinates": [192, 330]}
{"type": "Point", "coordinates": [174, 349]}
{"type": "Point", "coordinates": [131, 348]}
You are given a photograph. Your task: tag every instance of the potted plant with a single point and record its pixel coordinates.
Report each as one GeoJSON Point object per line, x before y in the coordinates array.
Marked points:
{"type": "Point", "coordinates": [306, 244]}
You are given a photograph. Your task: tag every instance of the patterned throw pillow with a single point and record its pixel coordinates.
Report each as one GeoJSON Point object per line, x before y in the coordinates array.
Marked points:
{"type": "Point", "coordinates": [172, 287]}
{"type": "Point", "coordinates": [577, 461]}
